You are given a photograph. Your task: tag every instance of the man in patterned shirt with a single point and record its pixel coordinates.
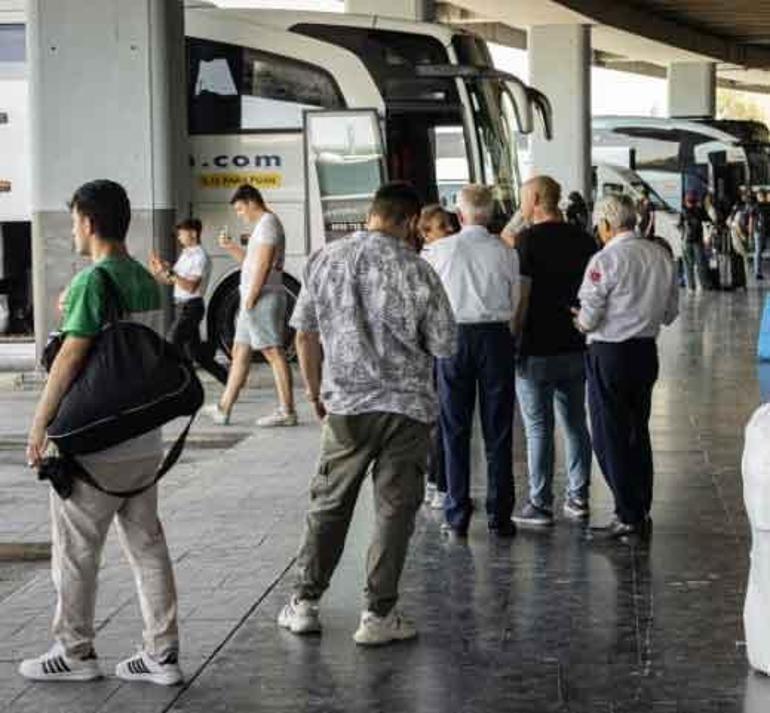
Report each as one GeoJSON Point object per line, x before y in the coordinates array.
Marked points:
{"type": "Point", "coordinates": [381, 315]}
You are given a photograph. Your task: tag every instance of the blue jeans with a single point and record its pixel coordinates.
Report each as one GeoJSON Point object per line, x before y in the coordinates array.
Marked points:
{"type": "Point", "coordinates": [759, 247]}
{"type": "Point", "coordinates": [542, 381]}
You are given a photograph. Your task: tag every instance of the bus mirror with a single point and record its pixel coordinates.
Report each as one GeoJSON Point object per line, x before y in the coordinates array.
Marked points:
{"type": "Point", "coordinates": [521, 104]}
{"type": "Point", "coordinates": [544, 110]}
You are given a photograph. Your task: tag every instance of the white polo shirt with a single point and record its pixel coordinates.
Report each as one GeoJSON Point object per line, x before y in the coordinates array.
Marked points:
{"type": "Point", "coordinates": [480, 274]}
{"type": "Point", "coordinates": [629, 290]}
{"type": "Point", "coordinates": [192, 263]}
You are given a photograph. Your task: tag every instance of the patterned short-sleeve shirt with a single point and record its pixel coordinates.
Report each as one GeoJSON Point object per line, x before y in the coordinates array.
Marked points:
{"type": "Point", "coordinates": [382, 315]}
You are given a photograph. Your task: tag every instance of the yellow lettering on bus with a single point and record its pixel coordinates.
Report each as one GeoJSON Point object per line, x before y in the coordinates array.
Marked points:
{"type": "Point", "coordinates": [233, 180]}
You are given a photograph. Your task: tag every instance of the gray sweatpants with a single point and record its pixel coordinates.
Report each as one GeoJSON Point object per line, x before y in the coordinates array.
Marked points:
{"type": "Point", "coordinates": [79, 529]}
{"type": "Point", "coordinates": [396, 448]}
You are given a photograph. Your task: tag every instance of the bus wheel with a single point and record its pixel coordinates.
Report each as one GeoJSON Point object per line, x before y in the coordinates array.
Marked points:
{"type": "Point", "coordinates": [223, 311]}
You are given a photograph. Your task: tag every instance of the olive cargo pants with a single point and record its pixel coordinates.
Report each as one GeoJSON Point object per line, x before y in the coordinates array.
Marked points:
{"type": "Point", "coordinates": [396, 449]}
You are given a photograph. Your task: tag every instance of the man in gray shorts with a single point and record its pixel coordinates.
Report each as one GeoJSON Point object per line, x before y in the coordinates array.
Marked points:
{"type": "Point", "coordinates": [260, 324]}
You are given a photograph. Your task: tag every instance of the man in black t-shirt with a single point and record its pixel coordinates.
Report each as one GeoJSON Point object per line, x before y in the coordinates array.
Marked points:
{"type": "Point", "coordinates": [691, 222]}
{"type": "Point", "coordinates": [553, 257]}
{"type": "Point", "coordinates": [761, 231]}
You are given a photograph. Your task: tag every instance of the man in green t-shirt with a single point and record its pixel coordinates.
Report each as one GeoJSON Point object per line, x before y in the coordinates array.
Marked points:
{"type": "Point", "coordinates": [101, 214]}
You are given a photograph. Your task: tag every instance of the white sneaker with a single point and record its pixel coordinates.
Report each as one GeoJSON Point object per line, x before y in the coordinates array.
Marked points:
{"type": "Point", "coordinates": [57, 666]}
{"type": "Point", "coordinates": [216, 414]}
{"type": "Point", "coordinates": [278, 419]}
{"type": "Point", "coordinates": [430, 492]}
{"type": "Point", "coordinates": [300, 616]}
{"type": "Point", "coordinates": [378, 630]}
{"type": "Point", "coordinates": [437, 503]}
{"type": "Point", "coordinates": [144, 668]}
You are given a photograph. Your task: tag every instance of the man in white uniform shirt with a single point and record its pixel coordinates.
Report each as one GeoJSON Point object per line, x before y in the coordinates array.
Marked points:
{"type": "Point", "coordinates": [480, 275]}
{"type": "Point", "coordinates": [629, 290]}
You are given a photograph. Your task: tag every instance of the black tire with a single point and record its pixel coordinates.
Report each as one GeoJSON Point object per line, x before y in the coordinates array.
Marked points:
{"type": "Point", "coordinates": [223, 311]}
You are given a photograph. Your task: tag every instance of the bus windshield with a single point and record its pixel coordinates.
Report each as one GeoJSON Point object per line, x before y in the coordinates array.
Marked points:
{"type": "Point", "coordinates": [495, 126]}
{"type": "Point", "coordinates": [758, 156]}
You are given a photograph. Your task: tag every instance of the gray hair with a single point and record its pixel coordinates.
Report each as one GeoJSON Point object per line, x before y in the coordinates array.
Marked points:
{"type": "Point", "coordinates": [476, 203]}
{"type": "Point", "coordinates": [618, 211]}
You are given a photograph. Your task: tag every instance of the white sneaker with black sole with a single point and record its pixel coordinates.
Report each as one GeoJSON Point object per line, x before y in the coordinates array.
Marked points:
{"type": "Point", "coordinates": [57, 666]}
{"type": "Point", "coordinates": [144, 668]}
{"type": "Point", "coordinates": [377, 630]}
{"type": "Point", "coordinates": [300, 616]}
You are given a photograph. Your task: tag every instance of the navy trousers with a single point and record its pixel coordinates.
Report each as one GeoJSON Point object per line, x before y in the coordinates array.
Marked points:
{"type": "Point", "coordinates": [484, 358]}
{"type": "Point", "coordinates": [436, 469]}
{"type": "Point", "coordinates": [620, 381]}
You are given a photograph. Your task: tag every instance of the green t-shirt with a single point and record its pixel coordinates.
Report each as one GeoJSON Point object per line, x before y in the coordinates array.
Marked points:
{"type": "Point", "coordinates": [85, 301]}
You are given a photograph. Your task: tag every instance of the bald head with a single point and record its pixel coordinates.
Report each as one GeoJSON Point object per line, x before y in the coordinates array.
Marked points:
{"type": "Point", "coordinates": [540, 198]}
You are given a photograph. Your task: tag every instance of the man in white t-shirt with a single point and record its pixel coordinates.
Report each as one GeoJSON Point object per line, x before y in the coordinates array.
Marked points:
{"type": "Point", "coordinates": [189, 276]}
{"type": "Point", "coordinates": [262, 318]}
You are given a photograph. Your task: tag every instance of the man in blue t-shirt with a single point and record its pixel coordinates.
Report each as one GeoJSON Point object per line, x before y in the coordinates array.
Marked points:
{"type": "Point", "coordinates": [101, 213]}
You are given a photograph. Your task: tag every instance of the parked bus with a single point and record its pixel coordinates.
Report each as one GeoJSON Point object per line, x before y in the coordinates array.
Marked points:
{"type": "Point", "coordinates": [609, 179]}
{"type": "Point", "coordinates": [676, 156]}
{"type": "Point", "coordinates": [318, 109]}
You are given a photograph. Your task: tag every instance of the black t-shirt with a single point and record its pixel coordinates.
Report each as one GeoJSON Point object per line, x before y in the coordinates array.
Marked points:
{"type": "Point", "coordinates": [554, 257]}
{"type": "Point", "coordinates": [763, 219]}
{"type": "Point", "coordinates": [692, 224]}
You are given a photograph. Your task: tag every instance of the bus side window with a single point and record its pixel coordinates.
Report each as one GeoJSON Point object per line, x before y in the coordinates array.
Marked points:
{"type": "Point", "coordinates": [235, 89]}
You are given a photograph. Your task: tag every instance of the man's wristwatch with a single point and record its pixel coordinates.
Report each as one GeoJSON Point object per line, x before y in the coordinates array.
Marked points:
{"type": "Point", "coordinates": [170, 275]}
{"type": "Point", "coordinates": [312, 399]}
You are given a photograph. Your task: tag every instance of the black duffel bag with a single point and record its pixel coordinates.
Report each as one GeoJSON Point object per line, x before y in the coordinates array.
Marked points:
{"type": "Point", "coordinates": [132, 383]}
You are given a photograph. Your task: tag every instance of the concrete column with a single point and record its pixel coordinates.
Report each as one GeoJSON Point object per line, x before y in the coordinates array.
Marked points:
{"type": "Point", "coordinates": [560, 66]}
{"type": "Point", "coordinates": [692, 89]}
{"type": "Point", "coordinates": [107, 100]}
{"type": "Point", "coordinates": [422, 10]}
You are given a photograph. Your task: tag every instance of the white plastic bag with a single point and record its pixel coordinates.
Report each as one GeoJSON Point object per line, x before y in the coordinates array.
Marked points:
{"type": "Point", "coordinates": [5, 314]}
{"type": "Point", "coordinates": [756, 497]}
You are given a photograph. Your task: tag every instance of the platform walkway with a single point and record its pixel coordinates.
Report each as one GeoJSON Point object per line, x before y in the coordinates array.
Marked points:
{"type": "Point", "coordinates": [545, 623]}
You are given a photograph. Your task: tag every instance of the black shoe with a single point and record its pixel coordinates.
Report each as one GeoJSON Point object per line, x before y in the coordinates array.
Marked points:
{"type": "Point", "coordinates": [617, 531]}
{"type": "Point", "coordinates": [504, 529]}
{"type": "Point", "coordinates": [646, 529]}
{"type": "Point", "coordinates": [447, 529]}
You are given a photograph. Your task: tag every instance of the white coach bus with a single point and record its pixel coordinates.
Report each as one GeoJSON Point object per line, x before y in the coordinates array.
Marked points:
{"type": "Point", "coordinates": [679, 155]}
{"type": "Point", "coordinates": [318, 109]}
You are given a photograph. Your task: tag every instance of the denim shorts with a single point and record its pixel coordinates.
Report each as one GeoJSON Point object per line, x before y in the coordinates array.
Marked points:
{"type": "Point", "coordinates": [263, 327]}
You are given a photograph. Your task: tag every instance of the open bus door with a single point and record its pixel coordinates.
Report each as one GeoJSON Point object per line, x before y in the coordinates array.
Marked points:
{"type": "Point", "coordinates": [345, 165]}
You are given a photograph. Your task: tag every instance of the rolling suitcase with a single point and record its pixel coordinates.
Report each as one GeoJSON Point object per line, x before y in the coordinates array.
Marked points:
{"type": "Point", "coordinates": [725, 270]}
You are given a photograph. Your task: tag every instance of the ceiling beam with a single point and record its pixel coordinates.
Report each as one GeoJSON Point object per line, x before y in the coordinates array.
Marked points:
{"type": "Point", "coordinates": [639, 20]}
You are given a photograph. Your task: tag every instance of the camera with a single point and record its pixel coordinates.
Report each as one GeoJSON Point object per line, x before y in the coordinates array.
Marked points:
{"type": "Point", "coordinates": [59, 471]}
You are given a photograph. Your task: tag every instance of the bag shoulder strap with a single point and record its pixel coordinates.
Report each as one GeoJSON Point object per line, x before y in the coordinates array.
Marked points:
{"type": "Point", "coordinates": [115, 305]}
{"type": "Point", "coordinates": [168, 462]}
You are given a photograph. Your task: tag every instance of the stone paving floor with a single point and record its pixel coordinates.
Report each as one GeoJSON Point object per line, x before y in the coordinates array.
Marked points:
{"type": "Point", "coordinates": [545, 623]}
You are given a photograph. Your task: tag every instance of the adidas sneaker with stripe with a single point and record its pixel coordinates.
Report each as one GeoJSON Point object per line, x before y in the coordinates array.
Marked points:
{"type": "Point", "coordinates": [57, 666]}
{"type": "Point", "coordinates": [142, 667]}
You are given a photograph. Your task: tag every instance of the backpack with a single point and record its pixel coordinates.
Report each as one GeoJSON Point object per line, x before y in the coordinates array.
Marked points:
{"type": "Point", "coordinates": [133, 382]}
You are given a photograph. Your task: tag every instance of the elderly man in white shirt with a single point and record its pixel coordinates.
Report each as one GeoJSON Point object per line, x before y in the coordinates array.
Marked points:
{"type": "Point", "coordinates": [480, 275]}
{"type": "Point", "coordinates": [629, 290]}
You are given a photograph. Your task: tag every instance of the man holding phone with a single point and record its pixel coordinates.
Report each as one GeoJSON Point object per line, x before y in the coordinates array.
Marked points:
{"type": "Point", "coordinates": [553, 256]}
{"type": "Point", "coordinates": [261, 320]}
